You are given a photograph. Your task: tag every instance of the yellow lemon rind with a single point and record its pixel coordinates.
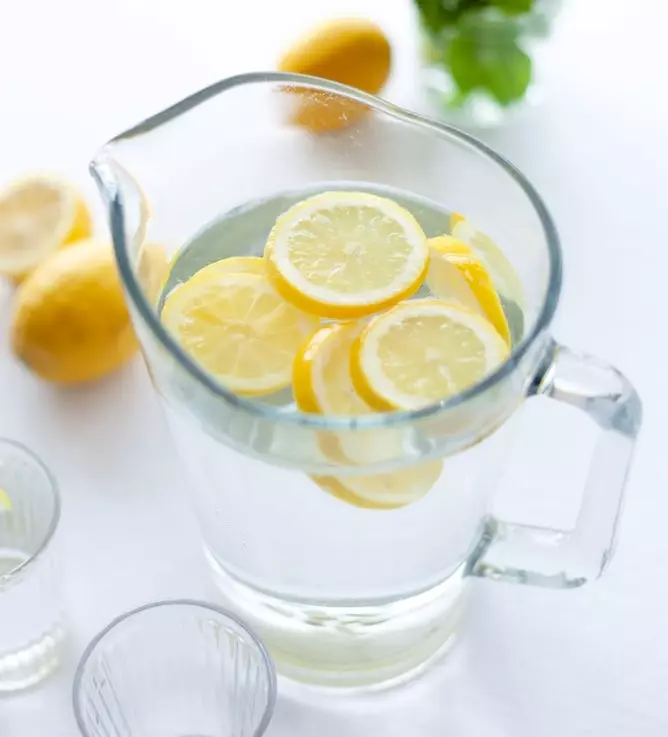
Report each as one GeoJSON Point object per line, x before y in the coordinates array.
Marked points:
{"type": "Point", "coordinates": [476, 276]}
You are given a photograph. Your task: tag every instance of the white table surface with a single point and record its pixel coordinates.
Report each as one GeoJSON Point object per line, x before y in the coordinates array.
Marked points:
{"type": "Point", "coordinates": [533, 663]}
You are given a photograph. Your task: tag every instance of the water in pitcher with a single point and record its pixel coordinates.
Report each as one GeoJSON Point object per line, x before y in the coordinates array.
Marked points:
{"type": "Point", "coordinates": [345, 575]}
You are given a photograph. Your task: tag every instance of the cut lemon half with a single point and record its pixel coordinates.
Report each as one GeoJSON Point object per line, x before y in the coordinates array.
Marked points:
{"type": "Point", "coordinates": [422, 351]}
{"type": "Point", "coordinates": [238, 329]}
{"type": "Point", "coordinates": [383, 490]}
{"type": "Point", "coordinates": [496, 262]}
{"type": "Point", "coordinates": [446, 282]}
{"type": "Point", "coordinates": [346, 254]}
{"type": "Point", "coordinates": [38, 216]}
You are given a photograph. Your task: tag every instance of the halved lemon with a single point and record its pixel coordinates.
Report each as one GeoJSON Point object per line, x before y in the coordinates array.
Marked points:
{"type": "Point", "coordinates": [422, 351]}
{"type": "Point", "coordinates": [445, 282]}
{"type": "Point", "coordinates": [384, 490]}
{"type": "Point", "coordinates": [346, 254]}
{"type": "Point", "coordinates": [238, 328]}
{"type": "Point", "coordinates": [496, 262]}
{"type": "Point", "coordinates": [37, 216]}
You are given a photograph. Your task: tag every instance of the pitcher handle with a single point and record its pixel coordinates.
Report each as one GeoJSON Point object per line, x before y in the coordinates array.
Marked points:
{"type": "Point", "coordinates": [554, 558]}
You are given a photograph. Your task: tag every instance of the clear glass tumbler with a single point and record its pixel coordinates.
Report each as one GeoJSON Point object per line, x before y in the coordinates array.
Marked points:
{"type": "Point", "coordinates": [175, 669]}
{"type": "Point", "coordinates": [31, 631]}
{"type": "Point", "coordinates": [345, 595]}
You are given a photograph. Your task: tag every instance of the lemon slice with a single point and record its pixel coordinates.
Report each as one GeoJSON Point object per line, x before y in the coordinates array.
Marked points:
{"type": "Point", "coordinates": [239, 265]}
{"type": "Point", "coordinates": [422, 351]}
{"type": "Point", "coordinates": [152, 269]}
{"type": "Point", "coordinates": [505, 278]}
{"type": "Point", "coordinates": [5, 501]}
{"type": "Point", "coordinates": [321, 384]}
{"type": "Point", "coordinates": [238, 328]}
{"type": "Point", "coordinates": [38, 216]}
{"type": "Point", "coordinates": [346, 254]}
{"type": "Point", "coordinates": [455, 218]}
{"type": "Point", "coordinates": [321, 381]}
{"type": "Point", "coordinates": [443, 282]}
{"type": "Point", "coordinates": [383, 490]}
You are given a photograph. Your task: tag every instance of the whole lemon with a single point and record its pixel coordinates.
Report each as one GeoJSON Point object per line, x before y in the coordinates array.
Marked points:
{"type": "Point", "coordinates": [352, 51]}
{"type": "Point", "coordinates": [70, 323]}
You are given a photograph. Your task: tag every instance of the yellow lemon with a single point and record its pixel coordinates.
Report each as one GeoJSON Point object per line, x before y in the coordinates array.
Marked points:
{"type": "Point", "coordinates": [422, 351]}
{"type": "Point", "coordinates": [70, 322]}
{"type": "Point", "coordinates": [346, 254]}
{"type": "Point", "coordinates": [38, 216]}
{"type": "Point", "coordinates": [238, 328]}
{"type": "Point", "coordinates": [495, 261]}
{"type": "Point", "coordinates": [383, 490]}
{"type": "Point", "coordinates": [352, 51]}
{"type": "Point", "coordinates": [469, 277]}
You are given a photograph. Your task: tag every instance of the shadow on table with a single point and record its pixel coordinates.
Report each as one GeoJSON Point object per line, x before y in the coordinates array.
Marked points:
{"type": "Point", "coordinates": [446, 701]}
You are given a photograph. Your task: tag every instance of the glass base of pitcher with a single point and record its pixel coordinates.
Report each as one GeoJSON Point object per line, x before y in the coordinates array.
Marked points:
{"type": "Point", "coordinates": [349, 645]}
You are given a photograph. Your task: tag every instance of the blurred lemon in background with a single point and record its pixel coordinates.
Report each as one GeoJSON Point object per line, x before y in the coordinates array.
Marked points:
{"type": "Point", "coordinates": [38, 215]}
{"type": "Point", "coordinates": [70, 323]}
{"type": "Point", "coordinates": [352, 51]}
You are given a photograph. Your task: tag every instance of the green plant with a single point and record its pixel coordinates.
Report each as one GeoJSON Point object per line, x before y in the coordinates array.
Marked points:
{"type": "Point", "coordinates": [479, 42]}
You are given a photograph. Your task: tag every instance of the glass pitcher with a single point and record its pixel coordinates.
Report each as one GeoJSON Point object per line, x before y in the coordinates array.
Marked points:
{"type": "Point", "coordinates": [352, 594]}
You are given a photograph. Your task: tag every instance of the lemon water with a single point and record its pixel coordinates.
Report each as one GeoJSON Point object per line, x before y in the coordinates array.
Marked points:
{"type": "Point", "coordinates": [343, 595]}
{"type": "Point", "coordinates": [244, 231]}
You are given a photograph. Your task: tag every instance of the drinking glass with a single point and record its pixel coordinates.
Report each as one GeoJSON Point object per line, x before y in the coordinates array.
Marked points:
{"type": "Point", "coordinates": [345, 595]}
{"type": "Point", "coordinates": [175, 668]}
{"type": "Point", "coordinates": [31, 629]}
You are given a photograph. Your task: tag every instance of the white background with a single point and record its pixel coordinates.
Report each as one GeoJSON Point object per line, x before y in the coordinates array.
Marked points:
{"type": "Point", "coordinates": [533, 663]}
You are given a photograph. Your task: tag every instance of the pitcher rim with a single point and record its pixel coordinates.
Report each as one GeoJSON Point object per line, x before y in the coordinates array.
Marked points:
{"type": "Point", "coordinates": [249, 405]}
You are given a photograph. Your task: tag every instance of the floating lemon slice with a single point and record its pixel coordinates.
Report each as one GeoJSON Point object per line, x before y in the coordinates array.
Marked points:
{"type": "Point", "coordinates": [321, 384]}
{"type": "Point", "coordinates": [422, 351]}
{"type": "Point", "coordinates": [321, 373]}
{"type": "Point", "coordinates": [455, 218]}
{"type": "Point", "coordinates": [477, 283]}
{"type": "Point", "coordinates": [239, 265]}
{"type": "Point", "coordinates": [5, 501]}
{"type": "Point", "coordinates": [346, 254]}
{"type": "Point", "coordinates": [38, 216]}
{"type": "Point", "coordinates": [384, 490]}
{"type": "Point", "coordinates": [152, 270]}
{"type": "Point", "coordinates": [238, 328]}
{"type": "Point", "coordinates": [506, 281]}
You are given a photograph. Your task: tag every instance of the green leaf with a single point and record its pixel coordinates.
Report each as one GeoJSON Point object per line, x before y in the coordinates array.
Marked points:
{"type": "Point", "coordinates": [491, 62]}
{"type": "Point", "coordinates": [513, 7]}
